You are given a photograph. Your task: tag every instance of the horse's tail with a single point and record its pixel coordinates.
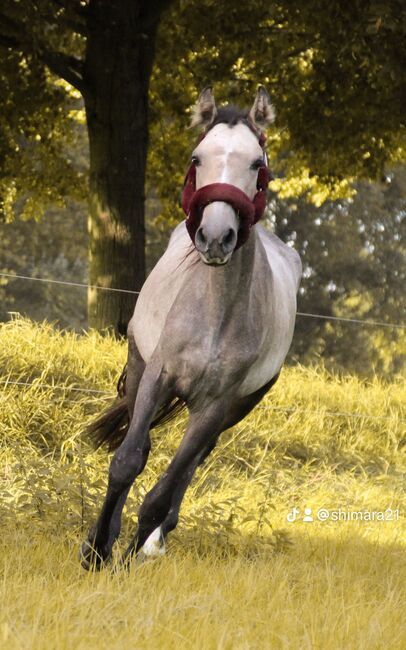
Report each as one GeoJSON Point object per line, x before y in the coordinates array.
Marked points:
{"type": "Point", "coordinates": [111, 427]}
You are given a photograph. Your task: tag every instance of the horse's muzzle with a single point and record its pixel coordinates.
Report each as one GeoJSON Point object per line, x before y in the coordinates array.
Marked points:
{"type": "Point", "coordinates": [223, 193]}
{"type": "Point", "coordinates": [216, 236]}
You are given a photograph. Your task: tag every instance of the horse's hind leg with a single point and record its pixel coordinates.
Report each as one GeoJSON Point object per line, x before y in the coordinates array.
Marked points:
{"type": "Point", "coordinates": [128, 461]}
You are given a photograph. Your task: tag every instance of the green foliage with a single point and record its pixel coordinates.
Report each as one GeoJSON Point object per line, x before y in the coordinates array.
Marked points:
{"type": "Point", "coordinates": [41, 121]}
{"type": "Point", "coordinates": [354, 266]}
{"type": "Point", "coordinates": [335, 72]}
{"type": "Point", "coordinates": [39, 131]}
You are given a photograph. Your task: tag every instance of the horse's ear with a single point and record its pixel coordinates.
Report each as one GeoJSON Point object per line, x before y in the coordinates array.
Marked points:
{"type": "Point", "coordinates": [262, 113]}
{"type": "Point", "coordinates": [204, 112]}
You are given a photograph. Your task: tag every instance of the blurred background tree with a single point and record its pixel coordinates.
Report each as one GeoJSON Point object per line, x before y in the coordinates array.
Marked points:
{"type": "Point", "coordinates": [337, 75]}
{"type": "Point", "coordinates": [104, 51]}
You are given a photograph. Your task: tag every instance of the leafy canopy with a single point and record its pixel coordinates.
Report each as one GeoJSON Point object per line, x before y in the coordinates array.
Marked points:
{"type": "Point", "coordinates": [336, 73]}
{"type": "Point", "coordinates": [42, 140]}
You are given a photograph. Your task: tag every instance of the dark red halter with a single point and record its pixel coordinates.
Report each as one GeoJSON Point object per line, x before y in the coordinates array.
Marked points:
{"type": "Point", "coordinates": [249, 212]}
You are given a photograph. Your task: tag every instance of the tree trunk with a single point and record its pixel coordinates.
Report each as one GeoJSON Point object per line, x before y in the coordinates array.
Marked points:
{"type": "Point", "coordinates": [119, 57]}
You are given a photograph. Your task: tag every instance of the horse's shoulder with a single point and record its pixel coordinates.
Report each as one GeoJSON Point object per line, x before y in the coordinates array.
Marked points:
{"type": "Point", "coordinates": [178, 234]}
{"type": "Point", "coordinates": [273, 245]}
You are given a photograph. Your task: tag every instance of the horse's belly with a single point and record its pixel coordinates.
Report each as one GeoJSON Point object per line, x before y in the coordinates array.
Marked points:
{"type": "Point", "coordinates": [270, 359]}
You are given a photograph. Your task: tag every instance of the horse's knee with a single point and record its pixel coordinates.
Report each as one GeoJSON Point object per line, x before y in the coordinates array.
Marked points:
{"type": "Point", "coordinates": [125, 466]}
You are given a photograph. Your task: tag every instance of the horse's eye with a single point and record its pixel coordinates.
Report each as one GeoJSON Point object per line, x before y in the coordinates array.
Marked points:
{"type": "Point", "coordinates": [257, 164]}
{"type": "Point", "coordinates": [196, 160]}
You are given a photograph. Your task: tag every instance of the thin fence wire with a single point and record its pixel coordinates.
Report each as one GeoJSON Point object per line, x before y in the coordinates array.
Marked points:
{"type": "Point", "coordinates": [299, 313]}
{"type": "Point", "coordinates": [284, 409]}
{"type": "Point", "coordinates": [65, 282]}
{"type": "Point", "coordinates": [353, 320]}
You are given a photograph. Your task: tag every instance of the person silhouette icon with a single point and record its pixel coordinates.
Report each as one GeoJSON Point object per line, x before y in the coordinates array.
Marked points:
{"type": "Point", "coordinates": [307, 514]}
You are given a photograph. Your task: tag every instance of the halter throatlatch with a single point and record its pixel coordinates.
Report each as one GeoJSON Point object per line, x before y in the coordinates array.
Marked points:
{"type": "Point", "coordinates": [249, 212]}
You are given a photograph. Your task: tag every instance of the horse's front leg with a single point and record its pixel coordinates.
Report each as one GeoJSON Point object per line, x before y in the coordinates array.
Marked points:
{"type": "Point", "coordinates": [127, 463]}
{"type": "Point", "coordinates": [201, 434]}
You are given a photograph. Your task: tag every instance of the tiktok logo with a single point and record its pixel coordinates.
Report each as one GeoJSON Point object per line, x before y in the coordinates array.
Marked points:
{"type": "Point", "coordinates": [292, 515]}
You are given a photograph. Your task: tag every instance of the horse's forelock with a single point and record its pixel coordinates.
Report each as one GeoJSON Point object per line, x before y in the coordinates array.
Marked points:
{"type": "Point", "coordinates": [231, 115]}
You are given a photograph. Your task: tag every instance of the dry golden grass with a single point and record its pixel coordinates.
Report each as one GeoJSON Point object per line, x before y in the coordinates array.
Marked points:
{"type": "Point", "coordinates": [236, 575]}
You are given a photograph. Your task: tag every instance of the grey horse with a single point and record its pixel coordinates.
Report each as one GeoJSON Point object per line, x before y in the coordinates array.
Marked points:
{"type": "Point", "coordinates": [211, 328]}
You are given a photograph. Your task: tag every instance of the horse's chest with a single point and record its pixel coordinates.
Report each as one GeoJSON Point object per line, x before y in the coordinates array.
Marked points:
{"type": "Point", "coordinates": [212, 358]}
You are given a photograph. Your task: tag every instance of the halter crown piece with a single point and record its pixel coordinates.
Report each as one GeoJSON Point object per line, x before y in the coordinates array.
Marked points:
{"type": "Point", "coordinates": [249, 212]}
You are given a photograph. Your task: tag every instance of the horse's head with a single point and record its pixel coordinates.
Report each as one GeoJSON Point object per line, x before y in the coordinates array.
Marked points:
{"type": "Point", "coordinates": [225, 187]}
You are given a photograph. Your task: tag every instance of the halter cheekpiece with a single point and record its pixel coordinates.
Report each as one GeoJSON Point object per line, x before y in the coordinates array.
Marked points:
{"type": "Point", "coordinates": [249, 211]}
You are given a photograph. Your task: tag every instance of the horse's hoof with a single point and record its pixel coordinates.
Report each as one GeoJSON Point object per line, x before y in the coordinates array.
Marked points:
{"type": "Point", "coordinates": [154, 546]}
{"type": "Point", "coordinates": [90, 558]}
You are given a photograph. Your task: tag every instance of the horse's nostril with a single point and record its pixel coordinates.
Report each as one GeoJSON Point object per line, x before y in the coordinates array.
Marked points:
{"type": "Point", "coordinates": [200, 238]}
{"type": "Point", "coordinates": [229, 239]}
{"type": "Point", "coordinates": [229, 236]}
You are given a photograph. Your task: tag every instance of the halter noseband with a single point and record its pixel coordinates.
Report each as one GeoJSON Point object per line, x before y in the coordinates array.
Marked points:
{"type": "Point", "coordinates": [249, 212]}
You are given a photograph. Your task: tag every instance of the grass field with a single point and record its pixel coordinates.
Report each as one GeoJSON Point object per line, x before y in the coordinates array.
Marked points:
{"type": "Point", "coordinates": [237, 574]}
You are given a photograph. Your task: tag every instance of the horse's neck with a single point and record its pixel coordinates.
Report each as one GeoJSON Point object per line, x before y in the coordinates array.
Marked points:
{"type": "Point", "coordinates": [234, 279]}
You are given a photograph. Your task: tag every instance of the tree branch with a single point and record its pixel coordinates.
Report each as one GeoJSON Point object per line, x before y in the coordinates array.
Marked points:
{"type": "Point", "coordinates": [14, 36]}
{"type": "Point", "coordinates": [65, 66]}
